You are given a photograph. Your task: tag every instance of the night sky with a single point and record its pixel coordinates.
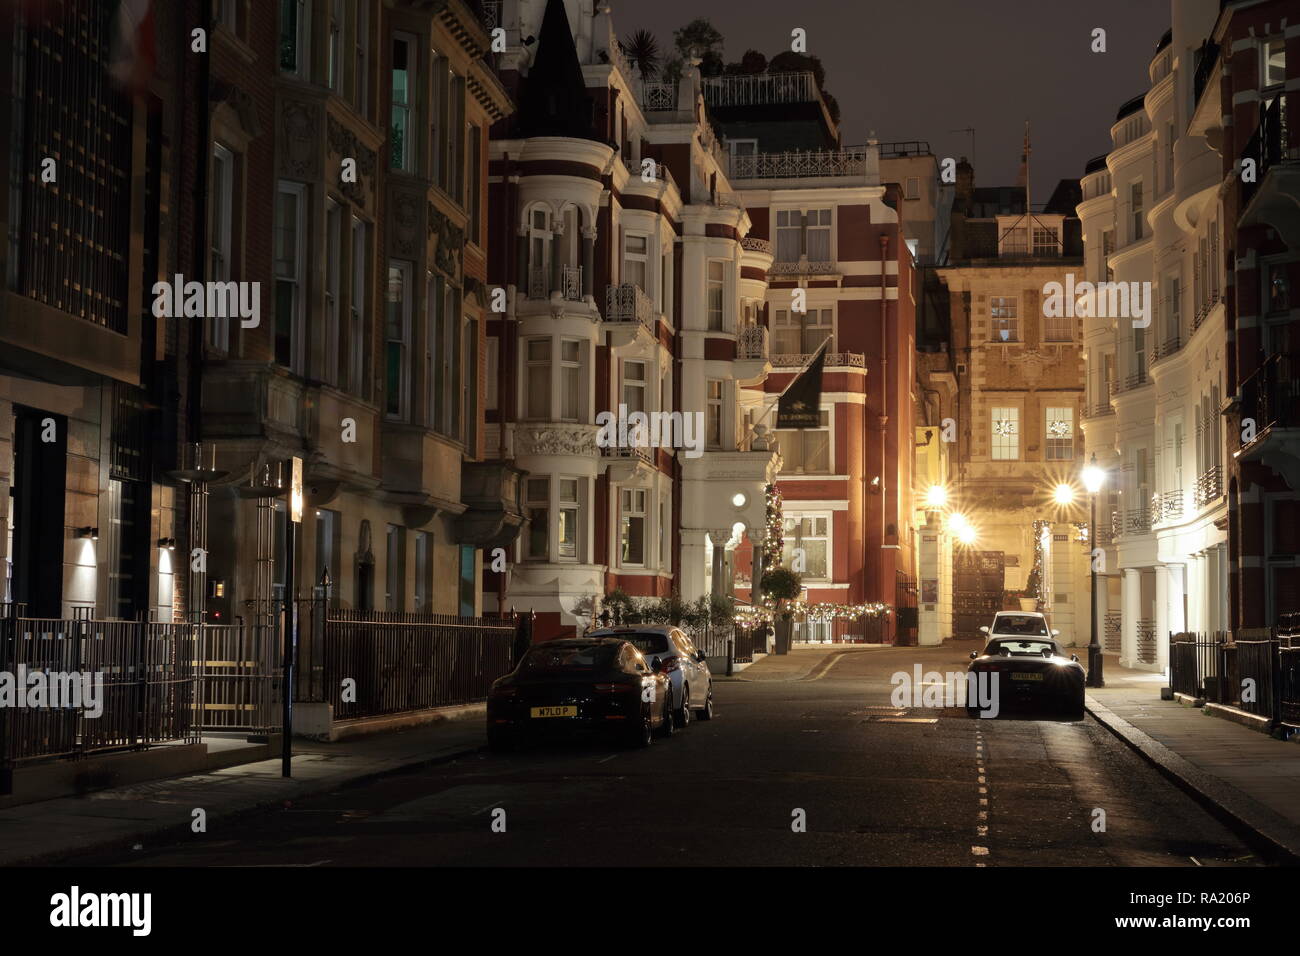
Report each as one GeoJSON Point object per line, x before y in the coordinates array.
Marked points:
{"type": "Point", "coordinates": [917, 69]}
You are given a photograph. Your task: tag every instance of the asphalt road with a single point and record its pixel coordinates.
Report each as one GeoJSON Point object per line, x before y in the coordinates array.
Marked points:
{"type": "Point", "coordinates": [873, 786]}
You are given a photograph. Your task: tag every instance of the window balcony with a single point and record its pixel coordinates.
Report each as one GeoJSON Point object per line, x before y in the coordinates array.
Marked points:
{"type": "Point", "coordinates": [752, 344]}
{"type": "Point", "coordinates": [1167, 506]}
{"type": "Point", "coordinates": [796, 360]}
{"type": "Point", "coordinates": [1270, 400]}
{"type": "Point", "coordinates": [1209, 486]}
{"type": "Point", "coordinates": [804, 267]}
{"type": "Point", "coordinates": [570, 288]}
{"type": "Point", "coordinates": [1138, 520]}
{"type": "Point", "coordinates": [853, 162]}
{"type": "Point", "coordinates": [628, 303]}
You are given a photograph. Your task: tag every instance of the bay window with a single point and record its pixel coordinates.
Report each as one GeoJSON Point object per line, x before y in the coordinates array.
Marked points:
{"type": "Point", "coordinates": [538, 499]}
{"type": "Point", "coordinates": [632, 517]}
{"type": "Point", "coordinates": [715, 286]}
{"type": "Point", "coordinates": [397, 341]}
{"type": "Point", "coordinates": [537, 379]}
{"type": "Point", "coordinates": [290, 279]}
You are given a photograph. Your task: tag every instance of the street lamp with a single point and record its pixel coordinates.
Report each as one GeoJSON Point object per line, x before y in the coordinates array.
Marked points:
{"type": "Point", "coordinates": [1063, 494]}
{"type": "Point", "coordinates": [1093, 479]}
{"type": "Point", "coordinates": [936, 496]}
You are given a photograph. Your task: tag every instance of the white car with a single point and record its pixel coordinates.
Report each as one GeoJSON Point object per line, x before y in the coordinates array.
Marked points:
{"type": "Point", "coordinates": [1019, 624]}
{"type": "Point", "coordinates": [683, 664]}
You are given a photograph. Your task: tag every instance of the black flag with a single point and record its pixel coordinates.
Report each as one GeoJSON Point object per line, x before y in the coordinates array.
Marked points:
{"type": "Point", "coordinates": [800, 404]}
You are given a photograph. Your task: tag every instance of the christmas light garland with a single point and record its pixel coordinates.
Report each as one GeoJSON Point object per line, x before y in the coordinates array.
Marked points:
{"type": "Point", "coordinates": [774, 539]}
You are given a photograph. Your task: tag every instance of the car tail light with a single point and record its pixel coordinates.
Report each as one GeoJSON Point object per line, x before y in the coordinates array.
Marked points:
{"type": "Point", "coordinates": [507, 691]}
{"type": "Point", "coordinates": [613, 688]}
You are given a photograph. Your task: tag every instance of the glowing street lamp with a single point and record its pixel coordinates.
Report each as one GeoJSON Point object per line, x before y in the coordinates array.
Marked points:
{"type": "Point", "coordinates": [1093, 478]}
{"type": "Point", "coordinates": [1063, 494]}
{"type": "Point", "coordinates": [936, 497]}
{"type": "Point", "coordinates": [966, 535]}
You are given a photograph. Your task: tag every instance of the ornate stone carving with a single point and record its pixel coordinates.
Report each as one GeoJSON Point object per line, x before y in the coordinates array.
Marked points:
{"type": "Point", "coordinates": [240, 102]}
{"type": "Point", "coordinates": [556, 439]}
{"type": "Point", "coordinates": [449, 242]}
{"type": "Point", "coordinates": [299, 129]}
{"type": "Point", "coordinates": [406, 212]}
{"type": "Point", "coordinates": [344, 143]}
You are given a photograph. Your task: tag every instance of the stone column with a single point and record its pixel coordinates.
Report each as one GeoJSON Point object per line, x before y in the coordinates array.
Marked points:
{"type": "Point", "coordinates": [1177, 590]}
{"type": "Point", "coordinates": [1128, 651]}
{"type": "Point", "coordinates": [719, 539]}
{"type": "Point", "coordinates": [588, 261]}
{"type": "Point", "coordinates": [557, 240]}
{"type": "Point", "coordinates": [693, 563]}
{"type": "Point", "coordinates": [1162, 617]}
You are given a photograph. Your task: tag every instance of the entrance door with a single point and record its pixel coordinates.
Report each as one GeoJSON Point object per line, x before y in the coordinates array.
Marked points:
{"type": "Point", "coordinates": [978, 578]}
{"type": "Point", "coordinates": [36, 515]}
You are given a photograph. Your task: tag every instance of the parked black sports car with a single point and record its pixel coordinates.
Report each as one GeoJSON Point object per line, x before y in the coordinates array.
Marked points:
{"type": "Point", "coordinates": [580, 685]}
{"type": "Point", "coordinates": [1032, 674]}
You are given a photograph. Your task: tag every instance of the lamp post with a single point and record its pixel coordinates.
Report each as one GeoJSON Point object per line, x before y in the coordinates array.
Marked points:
{"type": "Point", "coordinates": [1093, 478]}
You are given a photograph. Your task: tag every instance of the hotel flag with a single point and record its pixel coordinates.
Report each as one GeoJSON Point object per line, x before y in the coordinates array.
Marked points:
{"type": "Point", "coordinates": [800, 404]}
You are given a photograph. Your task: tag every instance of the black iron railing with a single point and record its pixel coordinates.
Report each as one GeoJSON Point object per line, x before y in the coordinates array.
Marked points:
{"type": "Point", "coordinates": [1267, 146]}
{"type": "Point", "coordinates": [123, 685]}
{"type": "Point", "coordinates": [1209, 486]}
{"type": "Point", "coordinates": [1271, 396]}
{"type": "Point", "coordinates": [369, 663]}
{"type": "Point", "coordinates": [1196, 665]}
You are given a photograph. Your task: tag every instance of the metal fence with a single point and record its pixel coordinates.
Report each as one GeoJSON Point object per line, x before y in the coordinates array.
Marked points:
{"type": "Point", "coordinates": [369, 663]}
{"type": "Point", "coordinates": [240, 667]}
{"type": "Point", "coordinates": [111, 685]}
{"type": "Point", "coordinates": [1195, 666]}
{"type": "Point", "coordinates": [1256, 670]}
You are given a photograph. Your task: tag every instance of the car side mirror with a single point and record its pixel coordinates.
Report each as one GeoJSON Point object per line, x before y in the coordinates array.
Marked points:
{"type": "Point", "coordinates": [973, 655]}
{"type": "Point", "coordinates": [1055, 633]}
{"type": "Point", "coordinates": [656, 665]}
{"type": "Point", "coordinates": [701, 656]}
{"type": "Point", "coordinates": [984, 629]}
{"type": "Point", "coordinates": [1075, 658]}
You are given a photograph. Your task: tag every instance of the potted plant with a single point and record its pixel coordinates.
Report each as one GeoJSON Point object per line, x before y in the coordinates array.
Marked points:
{"type": "Point", "coordinates": [783, 586]}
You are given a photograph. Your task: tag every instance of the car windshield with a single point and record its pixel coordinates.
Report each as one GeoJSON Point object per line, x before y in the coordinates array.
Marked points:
{"type": "Point", "coordinates": [1019, 624]}
{"type": "Point", "coordinates": [1020, 648]}
{"type": "Point", "coordinates": [648, 643]}
{"type": "Point", "coordinates": [569, 657]}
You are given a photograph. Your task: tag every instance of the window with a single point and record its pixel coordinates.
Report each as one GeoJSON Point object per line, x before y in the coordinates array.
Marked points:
{"type": "Point", "coordinates": [1058, 328]}
{"type": "Point", "coordinates": [474, 196]}
{"type": "Point", "coordinates": [395, 580]}
{"type": "Point", "coordinates": [912, 188]}
{"type": "Point", "coordinates": [1273, 63]}
{"type": "Point", "coordinates": [663, 533]}
{"type": "Point", "coordinates": [467, 410]}
{"type": "Point", "coordinates": [1006, 434]}
{"type": "Point", "coordinates": [568, 531]}
{"type": "Point", "coordinates": [290, 292]}
{"type": "Point", "coordinates": [713, 415]}
{"type": "Point", "coordinates": [334, 59]}
{"type": "Point", "coordinates": [1138, 219]}
{"type": "Point", "coordinates": [361, 79]}
{"type": "Point", "coordinates": [295, 36]}
{"type": "Point", "coordinates": [423, 572]}
{"type": "Point", "coordinates": [1015, 242]}
{"type": "Point", "coordinates": [357, 311]}
{"type": "Point", "coordinates": [448, 384]}
{"type": "Point", "coordinates": [491, 373]}
{"type": "Point", "coordinates": [221, 216]}
{"type": "Point", "coordinates": [571, 390]}
{"type": "Point", "coordinates": [1060, 434]}
{"type": "Point", "coordinates": [404, 66]}
{"type": "Point", "coordinates": [456, 138]}
{"type": "Point", "coordinates": [807, 451]}
{"type": "Point", "coordinates": [539, 509]}
{"type": "Point", "coordinates": [632, 526]}
{"type": "Point", "coordinates": [811, 533]}
{"type": "Point", "coordinates": [1107, 250]}
{"type": "Point", "coordinates": [397, 341]}
{"type": "Point", "coordinates": [819, 235]}
{"type": "Point", "coordinates": [327, 548]}
{"type": "Point", "coordinates": [1170, 139]}
{"type": "Point", "coordinates": [538, 375]}
{"type": "Point", "coordinates": [714, 287]}
{"type": "Point", "coordinates": [1045, 242]}
{"type": "Point", "coordinates": [634, 386]}
{"type": "Point", "coordinates": [1277, 295]}
{"type": "Point", "coordinates": [802, 332]}
{"type": "Point", "coordinates": [1139, 355]}
{"type": "Point", "coordinates": [1006, 324]}
{"type": "Point", "coordinates": [789, 235]}
{"type": "Point", "coordinates": [539, 244]}
{"type": "Point", "coordinates": [635, 251]}
{"type": "Point", "coordinates": [333, 278]}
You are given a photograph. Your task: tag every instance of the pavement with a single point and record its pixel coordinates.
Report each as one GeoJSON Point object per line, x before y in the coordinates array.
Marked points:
{"type": "Point", "coordinates": [811, 731]}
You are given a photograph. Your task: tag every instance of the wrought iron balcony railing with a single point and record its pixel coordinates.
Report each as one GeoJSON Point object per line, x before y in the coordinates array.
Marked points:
{"type": "Point", "coordinates": [1168, 506]}
{"type": "Point", "coordinates": [760, 89]}
{"type": "Point", "coordinates": [627, 303]}
{"type": "Point", "coordinates": [1138, 520]}
{"type": "Point", "coordinates": [538, 280]}
{"type": "Point", "coordinates": [659, 97]}
{"type": "Point", "coordinates": [571, 283]}
{"type": "Point", "coordinates": [1168, 347]}
{"type": "Point", "coordinates": [1267, 146]}
{"type": "Point", "coordinates": [1116, 524]}
{"type": "Point", "coordinates": [803, 267]}
{"type": "Point", "coordinates": [539, 283]}
{"type": "Point", "coordinates": [801, 164]}
{"type": "Point", "coordinates": [1209, 486]}
{"type": "Point", "coordinates": [833, 359]}
{"type": "Point", "coordinates": [752, 343]}
{"type": "Point", "coordinates": [1270, 396]}
{"type": "Point", "coordinates": [755, 244]}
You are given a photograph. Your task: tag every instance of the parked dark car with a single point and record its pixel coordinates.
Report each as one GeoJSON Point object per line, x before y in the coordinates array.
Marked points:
{"type": "Point", "coordinates": [595, 686]}
{"type": "Point", "coordinates": [1032, 674]}
{"type": "Point", "coordinates": [686, 665]}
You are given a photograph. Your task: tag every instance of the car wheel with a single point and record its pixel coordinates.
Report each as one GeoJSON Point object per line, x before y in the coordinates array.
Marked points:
{"type": "Point", "coordinates": [706, 712]}
{"type": "Point", "coordinates": [682, 716]}
{"type": "Point", "coordinates": [500, 741]}
{"type": "Point", "coordinates": [669, 724]}
{"type": "Point", "coordinates": [642, 734]}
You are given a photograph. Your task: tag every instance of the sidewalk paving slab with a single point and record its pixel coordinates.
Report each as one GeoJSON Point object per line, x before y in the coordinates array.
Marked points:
{"type": "Point", "coordinates": [58, 830]}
